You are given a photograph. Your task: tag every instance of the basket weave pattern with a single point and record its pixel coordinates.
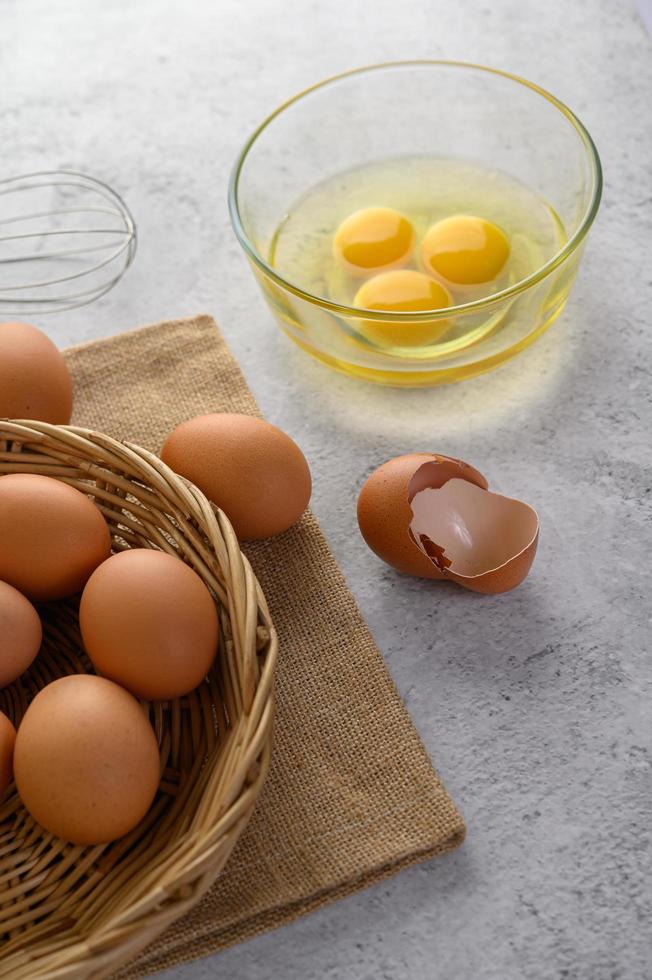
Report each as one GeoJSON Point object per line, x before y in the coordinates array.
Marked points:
{"type": "Point", "coordinates": [81, 912]}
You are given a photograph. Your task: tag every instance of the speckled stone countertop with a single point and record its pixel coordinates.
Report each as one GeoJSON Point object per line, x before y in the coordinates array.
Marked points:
{"type": "Point", "coordinates": [535, 706]}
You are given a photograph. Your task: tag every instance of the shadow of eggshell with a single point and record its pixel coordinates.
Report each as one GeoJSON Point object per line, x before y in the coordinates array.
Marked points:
{"type": "Point", "coordinates": [481, 540]}
{"type": "Point", "coordinates": [384, 512]}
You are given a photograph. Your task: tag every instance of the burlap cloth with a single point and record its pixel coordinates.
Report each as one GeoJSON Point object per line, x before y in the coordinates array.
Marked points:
{"type": "Point", "coordinates": [351, 796]}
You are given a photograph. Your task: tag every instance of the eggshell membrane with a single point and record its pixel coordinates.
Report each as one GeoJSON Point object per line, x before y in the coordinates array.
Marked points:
{"type": "Point", "coordinates": [52, 536]}
{"type": "Point", "coordinates": [439, 469]}
{"type": "Point", "coordinates": [7, 742]}
{"type": "Point", "coordinates": [20, 633]}
{"type": "Point", "coordinates": [384, 513]}
{"type": "Point", "coordinates": [34, 380]}
{"type": "Point", "coordinates": [149, 623]}
{"type": "Point", "coordinates": [481, 540]}
{"type": "Point", "coordinates": [250, 469]}
{"type": "Point", "coordinates": [86, 761]}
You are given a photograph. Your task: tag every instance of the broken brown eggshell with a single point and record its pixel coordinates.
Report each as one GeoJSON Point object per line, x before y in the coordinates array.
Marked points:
{"type": "Point", "coordinates": [384, 513]}
{"type": "Point", "coordinates": [483, 541]}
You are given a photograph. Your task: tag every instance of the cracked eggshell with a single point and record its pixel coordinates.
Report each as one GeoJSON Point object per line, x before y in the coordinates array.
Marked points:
{"type": "Point", "coordinates": [483, 541]}
{"type": "Point", "coordinates": [384, 513]}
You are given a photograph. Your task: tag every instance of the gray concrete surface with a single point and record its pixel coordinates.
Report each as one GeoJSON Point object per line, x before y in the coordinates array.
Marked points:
{"type": "Point", "coordinates": [535, 706]}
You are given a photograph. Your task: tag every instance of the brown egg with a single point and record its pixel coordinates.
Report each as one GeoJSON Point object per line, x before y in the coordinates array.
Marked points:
{"type": "Point", "coordinates": [20, 633]}
{"type": "Point", "coordinates": [481, 540]}
{"type": "Point", "coordinates": [148, 622]}
{"type": "Point", "coordinates": [86, 761]}
{"type": "Point", "coordinates": [384, 512]}
{"type": "Point", "coordinates": [52, 536]}
{"type": "Point", "coordinates": [253, 471]}
{"type": "Point", "coordinates": [34, 380]}
{"type": "Point", "coordinates": [7, 742]}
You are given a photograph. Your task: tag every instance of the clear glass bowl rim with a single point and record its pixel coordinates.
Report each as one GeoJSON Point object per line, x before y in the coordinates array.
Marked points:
{"type": "Point", "coordinates": [476, 305]}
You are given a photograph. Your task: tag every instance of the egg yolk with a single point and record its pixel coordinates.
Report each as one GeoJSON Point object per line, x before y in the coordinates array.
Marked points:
{"type": "Point", "coordinates": [373, 239]}
{"type": "Point", "coordinates": [403, 290]}
{"type": "Point", "coordinates": [464, 250]}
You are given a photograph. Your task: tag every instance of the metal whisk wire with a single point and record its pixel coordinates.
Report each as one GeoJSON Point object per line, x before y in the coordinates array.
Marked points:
{"type": "Point", "coordinates": [98, 263]}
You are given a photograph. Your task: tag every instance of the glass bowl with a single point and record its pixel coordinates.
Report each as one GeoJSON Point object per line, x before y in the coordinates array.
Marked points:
{"type": "Point", "coordinates": [466, 113]}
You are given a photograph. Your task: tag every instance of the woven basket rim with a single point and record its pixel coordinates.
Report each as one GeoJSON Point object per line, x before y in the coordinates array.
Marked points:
{"type": "Point", "coordinates": [128, 482]}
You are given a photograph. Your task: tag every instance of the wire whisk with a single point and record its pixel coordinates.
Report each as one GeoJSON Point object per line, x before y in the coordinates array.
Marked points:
{"type": "Point", "coordinates": [65, 240]}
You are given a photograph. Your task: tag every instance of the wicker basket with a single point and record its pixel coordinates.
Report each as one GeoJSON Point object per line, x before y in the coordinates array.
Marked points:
{"type": "Point", "coordinates": [69, 911]}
